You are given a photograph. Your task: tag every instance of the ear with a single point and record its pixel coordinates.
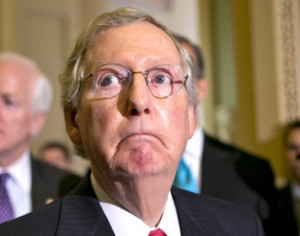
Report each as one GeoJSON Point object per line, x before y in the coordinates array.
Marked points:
{"type": "Point", "coordinates": [192, 121]}
{"type": "Point", "coordinates": [72, 127]}
{"type": "Point", "coordinates": [202, 88]}
{"type": "Point", "coordinates": [37, 122]}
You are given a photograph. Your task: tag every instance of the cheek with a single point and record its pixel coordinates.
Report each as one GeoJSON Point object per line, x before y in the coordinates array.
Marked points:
{"type": "Point", "coordinates": [290, 157]}
{"type": "Point", "coordinates": [105, 119]}
{"type": "Point", "coordinates": [19, 121]}
{"type": "Point", "coordinates": [96, 125]}
{"type": "Point", "coordinates": [293, 163]}
{"type": "Point", "coordinates": [178, 121]}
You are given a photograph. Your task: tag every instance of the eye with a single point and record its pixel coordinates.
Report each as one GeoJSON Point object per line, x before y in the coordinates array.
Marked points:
{"type": "Point", "coordinates": [160, 76]}
{"type": "Point", "coordinates": [161, 79]}
{"type": "Point", "coordinates": [110, 80]}
{"type": "Point", "coordinates": [109, 77]}
{"type": "Point", "coordinates": [8, 101]}
{"type": "Point", "coordinates": [293, 147]}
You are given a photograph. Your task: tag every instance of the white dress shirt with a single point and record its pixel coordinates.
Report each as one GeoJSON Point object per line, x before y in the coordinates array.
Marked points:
{"type": "Point", "coordinates": [193, 154]}
{"type": "Point", "coordinates": [124, 223]}
{"type": "Point", "coordinates": [295, 189]}
{"type": "Point", "coordinates": [19, 185]}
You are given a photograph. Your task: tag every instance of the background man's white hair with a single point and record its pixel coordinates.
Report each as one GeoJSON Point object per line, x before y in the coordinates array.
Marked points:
{"type": "Point", "coordinates": [42, 89]}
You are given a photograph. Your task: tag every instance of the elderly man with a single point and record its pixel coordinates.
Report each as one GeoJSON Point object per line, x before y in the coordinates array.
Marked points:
{"type": "Point", "coordinates": [128, 100]}
{"type": "Point", "coordinates": [57, 154]}
{"type": "Point", "coordinates": [25, 98]}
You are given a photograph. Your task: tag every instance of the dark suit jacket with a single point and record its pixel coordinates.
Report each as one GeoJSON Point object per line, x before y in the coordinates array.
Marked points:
{"type": "Point", "coordinates": [49, 182]}
{"type": "Point", "coordinates": [286, 209]}
{"type": "Point", "coordinates": [81, 214]}
{"type": "Point", "coordinates": [231, 174]}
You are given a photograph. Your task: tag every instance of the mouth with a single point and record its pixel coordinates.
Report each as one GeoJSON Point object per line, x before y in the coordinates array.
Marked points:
{"type": "Point", "coordinates": [142, 137]}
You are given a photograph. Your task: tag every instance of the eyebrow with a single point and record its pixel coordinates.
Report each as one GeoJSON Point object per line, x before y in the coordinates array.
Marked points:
{"type": "Point", "coordinates": [7, 95]}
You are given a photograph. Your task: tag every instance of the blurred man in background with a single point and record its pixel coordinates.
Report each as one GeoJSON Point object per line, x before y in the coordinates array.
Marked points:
{"type": "Point", "coordinates": [25, 98]}
{"type": "Point", "coordinates": [290, 194]}
{"type": "Point", "coordinates": [224, 171]}
{"type": "Point", "coordinates": [57, 154]}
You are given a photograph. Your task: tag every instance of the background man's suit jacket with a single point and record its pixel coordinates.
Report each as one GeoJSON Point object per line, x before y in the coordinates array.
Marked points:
{"type": "Point", "coordinates": [81, 214]}
{"type": "Point", "coordinates": [231, 174]}
{"type": "Point", "coordinates": [49, 182]}
{"type": "Point", "coordinates": [286, 209]}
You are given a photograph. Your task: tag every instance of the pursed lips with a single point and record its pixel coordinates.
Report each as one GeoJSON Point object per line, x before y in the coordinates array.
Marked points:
{"type": "Point", "coordinates": [142, 136]}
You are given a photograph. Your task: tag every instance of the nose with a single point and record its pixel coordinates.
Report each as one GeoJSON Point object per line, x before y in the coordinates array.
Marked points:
{"type": "Point", "coordinates": [139, 96]}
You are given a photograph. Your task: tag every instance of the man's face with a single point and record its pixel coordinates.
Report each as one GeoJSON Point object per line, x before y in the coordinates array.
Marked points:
{"type": "Point", "coordinates": [56, 157]}
{"type": "Point", "coordinates": [15, 108]}
{"type": "Point", "coordinates": [134, 133]}
{"type": "Point", "coordinates": [292, 151]}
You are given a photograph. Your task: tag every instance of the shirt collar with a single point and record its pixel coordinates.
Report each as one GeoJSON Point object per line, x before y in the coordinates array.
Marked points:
{"type": "Point", "coordinates": [120, 219]}
{"type": "Point", "coordinates": [296, 189]}
{"type": "Point", "coordinates": [194, 146]}
{"type": "Point", "coordinates": [20, 171]}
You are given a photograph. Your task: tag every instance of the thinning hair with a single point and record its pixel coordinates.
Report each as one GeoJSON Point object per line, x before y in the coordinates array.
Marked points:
{"type": "Point", "coordinates": [42, 89]}
{"type": "Point", "coordinates": [73, 73]}
{"type": "Point", "coordinates": [199, 63]}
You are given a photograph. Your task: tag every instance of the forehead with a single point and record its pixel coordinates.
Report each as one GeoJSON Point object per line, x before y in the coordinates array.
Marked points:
{"type": "Point", "coordinates": [15, 77]}
{"type": "Point", "coordinates": [139, 44]}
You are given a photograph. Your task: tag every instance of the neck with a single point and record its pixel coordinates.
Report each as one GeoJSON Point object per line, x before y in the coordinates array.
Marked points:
{"type": "Point", "coordinates": [297, 179]}
{"type": "Point", "coordinates": [144, 197]}
{"type": "Point", "coordinates": [8, 157]}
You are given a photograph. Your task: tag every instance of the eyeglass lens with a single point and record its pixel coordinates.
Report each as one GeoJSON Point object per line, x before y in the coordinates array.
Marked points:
{"type": "Point", "coordinates": [111, 79]}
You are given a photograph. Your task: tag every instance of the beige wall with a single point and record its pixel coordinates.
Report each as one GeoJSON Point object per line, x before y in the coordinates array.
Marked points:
{"type": "Point", "coordinates": [265, 44]}
{"type": "Point", "coordinates": [257, 107]}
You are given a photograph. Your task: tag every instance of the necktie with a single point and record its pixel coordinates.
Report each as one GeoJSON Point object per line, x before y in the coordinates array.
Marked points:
{"type": "Point", "coordinates": [184, 178]}
{"type": "Point", "coordinates": [157, 232]}
{"type": "Point", "coordinates": [6, 211]}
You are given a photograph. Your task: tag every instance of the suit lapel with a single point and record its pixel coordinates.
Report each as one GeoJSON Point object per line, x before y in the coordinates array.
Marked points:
{"type": "Point", "coordinates": [214, 169]}
{"type": "Point", "coordinates": [39, 185]}
{"type": "Point", "coordinates": [195, 219]}
{"type": "Point", "coordinates": [82, 215]}
{"type": "Point", "coordinates": [82, 208]}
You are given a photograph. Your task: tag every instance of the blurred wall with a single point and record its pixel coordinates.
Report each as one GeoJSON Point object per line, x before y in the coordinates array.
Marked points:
{"type": "Point", "coordinates": [254, 63]}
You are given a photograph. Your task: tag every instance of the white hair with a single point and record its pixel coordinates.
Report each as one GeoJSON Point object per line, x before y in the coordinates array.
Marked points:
{"type": "Point", "coordinates": [42, 89]}
{"type": "Point", "coordinates": [73, 74]}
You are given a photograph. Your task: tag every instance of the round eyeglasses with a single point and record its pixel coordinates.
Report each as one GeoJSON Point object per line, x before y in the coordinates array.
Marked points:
{"type": "Point", "coordinates": [109, 80]}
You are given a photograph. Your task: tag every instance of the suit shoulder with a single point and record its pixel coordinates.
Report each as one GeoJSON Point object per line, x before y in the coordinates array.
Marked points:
{"type": "Point", "coordinates": [231, 218]}
{"type": "Point", "coordinates": [244, 156]}
{"type": "Point", "coordinates": [58, 181]}
{"type": "Point", "coordinates": [42, 222]}
{"type": "Point", "coordinates": [214, 204]}
{"type": "Point", "coordinates": [44, 169]}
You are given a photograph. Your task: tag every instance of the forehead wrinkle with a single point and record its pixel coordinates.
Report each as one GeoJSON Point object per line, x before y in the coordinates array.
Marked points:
{"type": "Point", "coordinates": [126, 50]}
